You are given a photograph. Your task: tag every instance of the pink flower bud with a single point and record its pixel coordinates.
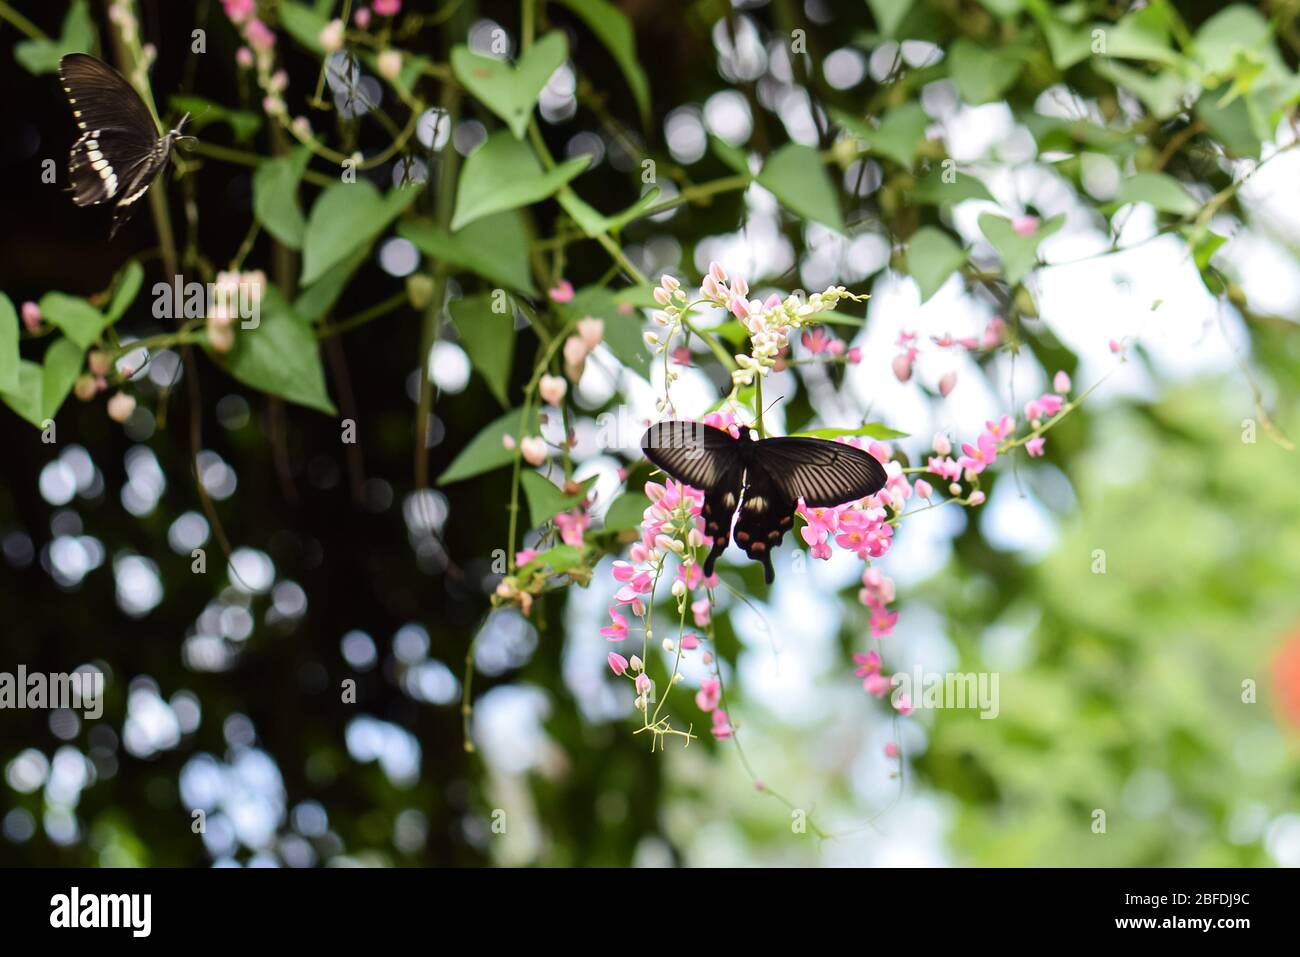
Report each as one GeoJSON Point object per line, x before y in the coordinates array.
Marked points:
{"type": "Point", "coordinates": [31, 316]}
{"type": "Point", "coordinates": [942, 445]}
{"type": "Point", "coordinates": [362, 17]}
{"type": "Point", "coordinates": [563, 291]}
{"type": "Point", "coordinates": [533, 449]}
{"type": "Point", "coordinates": [552, 389]}
{"type": "Point", "coordinates": [575, 356]}
{"type": "Point", "coordinates": [244, 57]}
{"type": "Point", "coordinates": [388, 8]}
{"type": "Point", "coordinates": [591, 331]}
{"type": "Point", "coordinates": [855, 356]}
{"type": "Point", "coordinates": [922, 488]}
{"type": "Point", "coordinates": [891, 750]}
{"type": "Point", "coordinates": [1025, 225]}
{"type": "Point", "coordinates": [643, 683]}
{"type": "Point", "coordinates": [1061, 382]}
{"type": "Point", "coordinates": [902, 367]}
{"type": "Point", "coordinates": [690, 642]}
{"type": "Point", "coordinates": [977, 498]}
{"type": "Point", "coordinates": [331, 36]}
{"type": "Point", "coordinates": [120, 407]}
{"type": "Point", "coordinates": [509, 442]}
{"type": "Point", "coordinates": [947, 383]}
{"type": "Point", "coordinates": [617, 663]}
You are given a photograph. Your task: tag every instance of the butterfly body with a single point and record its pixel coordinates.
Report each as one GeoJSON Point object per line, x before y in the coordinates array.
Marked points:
{"type": "Point", "coordinates": [758, 481]}
{"type": "Point", "coordinates": [119, 152]}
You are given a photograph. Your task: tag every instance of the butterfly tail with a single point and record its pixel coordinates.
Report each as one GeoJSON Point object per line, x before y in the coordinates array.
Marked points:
{"type": "Point", "coordinates": [769, 575]}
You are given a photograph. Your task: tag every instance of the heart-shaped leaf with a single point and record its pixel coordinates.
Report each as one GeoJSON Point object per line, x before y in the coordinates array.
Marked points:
{"type": "Point", "coordinates": [546, 500]}
{"type": "Point", "coordinates": [280, 356]}
{"type": "Point", "coordinates": [78, 36]}
{"type": "Point", "coordinates": [128, 287]}
{"type": "Point", "coordinates": [504, 174]}
{"type": "Point", "coordinates": [931, 258]}
{"type": "Point", "coordinates": [796, 176]}
{"type": "Point", "coordinates": [75, 316]}
{"type": "Point", "coordinates": [487, 450]}
{"type": "Point", "coordinates": [494, 247]}
{"type": "Point", "coordinates": [1160, 190]}
{"type": "Point", "coordinates": [897, 137]}
{"type": "Point", "coordinates": [1019, 251]}
{"type": "Point", "coordinates": [9, 359]}
{"type": "Point", "coordinates": [511, 91]}
{"type": "Point", "coordinates": [63, 363]}
{"type": "Point", "coordinates": [488, 337]}
{"type": "Point", "coordinates": [347, 217]}
{"type": "Point", "coordinates": [275, 197]}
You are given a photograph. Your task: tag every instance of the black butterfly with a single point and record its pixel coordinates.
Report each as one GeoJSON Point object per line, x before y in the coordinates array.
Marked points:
{"type": "Point", "coordinates": [119, 153]}
{"type": "Point", "coordinates": [765, 477]}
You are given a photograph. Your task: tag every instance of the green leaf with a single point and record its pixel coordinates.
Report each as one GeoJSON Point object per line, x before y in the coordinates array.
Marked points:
{"type": "Point", "coordinates": [888, 14]}
{"type": "Point", "coordinates": [244, 124]}
{"type": "Point", "coordinates": [347, 217]}
{"type": "Point", "coordinates": [797, 176]}
{"type": "Point", "coordinates": [25, 397]}
{"type": "Point", "coordinates": [1068, 43]}
{"type": "Point", "coordinates": [932, 190]}
{"type": "Point", "coordinates": [319, 298]}
{"type": "Point", "coordinates": [901, 132]}
{"type": "Point", "coordinates": [931, 258]}
{"type": "Point", "coordinates": [1162, 92]}
{"type": "Point", "coordinates": [982, 75]}
{"type": "Point", "coordinates": [280, 356]}
{"type": "Point", "coordinates": [626, 511]}
{"type": "Point", "coordinates": [78, 36]}
{"type": "Point", "coordinates": [63, 363]}
{"type": "Point", "coordinates": [486, 451]}
{"type": "Point", "coordinates": [593, 223]}
{"type": "Point", "coordinates": [511, 92]}
{"type": "Point", "coordinates": [75, 316]}
{"type": "Point", "coordinates": [1019, 253]}
{"type": "Point", "coordinates": [303, 24]}
{"type": "Point", "coordinates": [9, 358]}
{"type": "Point", "coordinates": [504, 174]}
{"type": "Point", "coordinates": [488, 337]}
{"type": "Point", "coordinates": [1230, 124]}
{"type": "Point", "coordinates": [494, 247]}
{"type": "Point", "coordinates": [545, 500]}
{"type": "Point", "coordinates": [1160, 190]}
{"type": "Point", "coordinates": [275, 197]}
{"type": "Point", "coordinates": [1232, 31]}
{"type": "Point", "coordinates": [874, 430]}
{"type": "Point", "coordinates": [614, 30]}
{"type": "Point", "coordinates": [558, 559]}
{"type": "Point", "coordinates": [128, 287]}
{"type": "Point", "coordinates": [731, 155]}
{"type": "Point", "coordinates": [1141, 35]}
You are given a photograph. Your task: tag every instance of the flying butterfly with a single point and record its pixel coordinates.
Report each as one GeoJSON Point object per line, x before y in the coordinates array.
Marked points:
{"type": "Point", "coordinates": [760, 479]}
{"type": "Point", "coordinates": [119, 153]}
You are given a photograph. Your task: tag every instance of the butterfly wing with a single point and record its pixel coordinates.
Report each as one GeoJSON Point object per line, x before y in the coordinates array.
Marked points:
{"type": "Point", "coordinates": [119, 151]}
{"type": "Point", "coordinates": [821, 472]}
{"type": "Point", "coordinates": [704, 458]}
{"type": "Point", "coordinates": [766, 514]}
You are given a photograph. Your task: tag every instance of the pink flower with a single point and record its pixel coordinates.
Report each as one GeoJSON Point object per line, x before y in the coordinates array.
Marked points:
{"type": "Point", "coordinates": [330, 37]}
{"type": "Point", "coordinates": [575, 356]}
{"type": "Point", "coordinates": [617, 663]}
{"type": "Point", "coordinates": [260, 37]}
{"type": "Point", "coordinates": [563, 291]}
{"type": "Point", "coordinates": [977, 498]}
{"type": "Point", "coordinates": [722, 728]}
{"type": "Point", "coordinates": [616, 631]}
{"type": "Point", "coordinates": [1044, 407]}
{"type": "Point", "coordinates": [877, 589]}
{"type": "Point", "coordinates": [1061, 382]}
{"type": "Point", "coordinates": [552, 389]}
{"type": "Point", "coordinates": [882, 622]}
{"type": "Point", "coordinates": [855, 356]}
{"type": "Point", "coordinates": [923, 488]}
{"type": "Point", "coordinates": [31, 316]}
{"type": "Point", "coordinates": [1035, 446]}
{"type": "Point", "coordinates": [815, 340]}
{"type": "Point", "coordinates": [978, 457]}
{"type": "Point", "coordinates": [701, 611]}
{"type": "Point", "coordinates": [681, 355]}
{"type": "Point", "coordinates": [572, 525]}
{"type": "Point", "coordinates": [362, 17]}
{"type": "Point", "coordinates": [389, 64]}
{"type": "Point", "coordinates": [239, 10]}
{"type": "Point", "coordinates": [822, 523]}
{"type": "Point", "coordinates": [876, 684]}
{"type": "Point", "coordinates": [709, 695]}
{"type": "Point", "coordinates": [1116, 346]}
{"type": "Point", "coordinates": [941, 443]}
{"type": "Point", "coordinates": [944, 467]}
{"type": "Point", "coordinates": [947, 383]}
{"type": "Point", "coordinates": [868, 664]}
{"type": "Point", "coordinates": [388, 8]}
{"type": "Point", "coordinates": [524, 557]}
{"type": "Point", "coordinates": [643, 683]}
{"type": "Point", "coordinates": [1001, 428]}
{"type": "Point", "coordinates": [244, 57]}
{"type": "Point", "coordinates": [1025, 225]}
{"type": "Point", "coordinates": [624, 571]}
{"type": "Point", "coordinates": [891, 750]}
{"type": "Point", "coordinates": [993, 333]}
{"type": "Point", "coordinates": [690, 642]}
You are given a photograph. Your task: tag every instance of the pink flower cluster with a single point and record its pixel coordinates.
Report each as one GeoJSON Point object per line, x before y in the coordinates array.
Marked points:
{"type": "Point", "coordinates": [819, 342]}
